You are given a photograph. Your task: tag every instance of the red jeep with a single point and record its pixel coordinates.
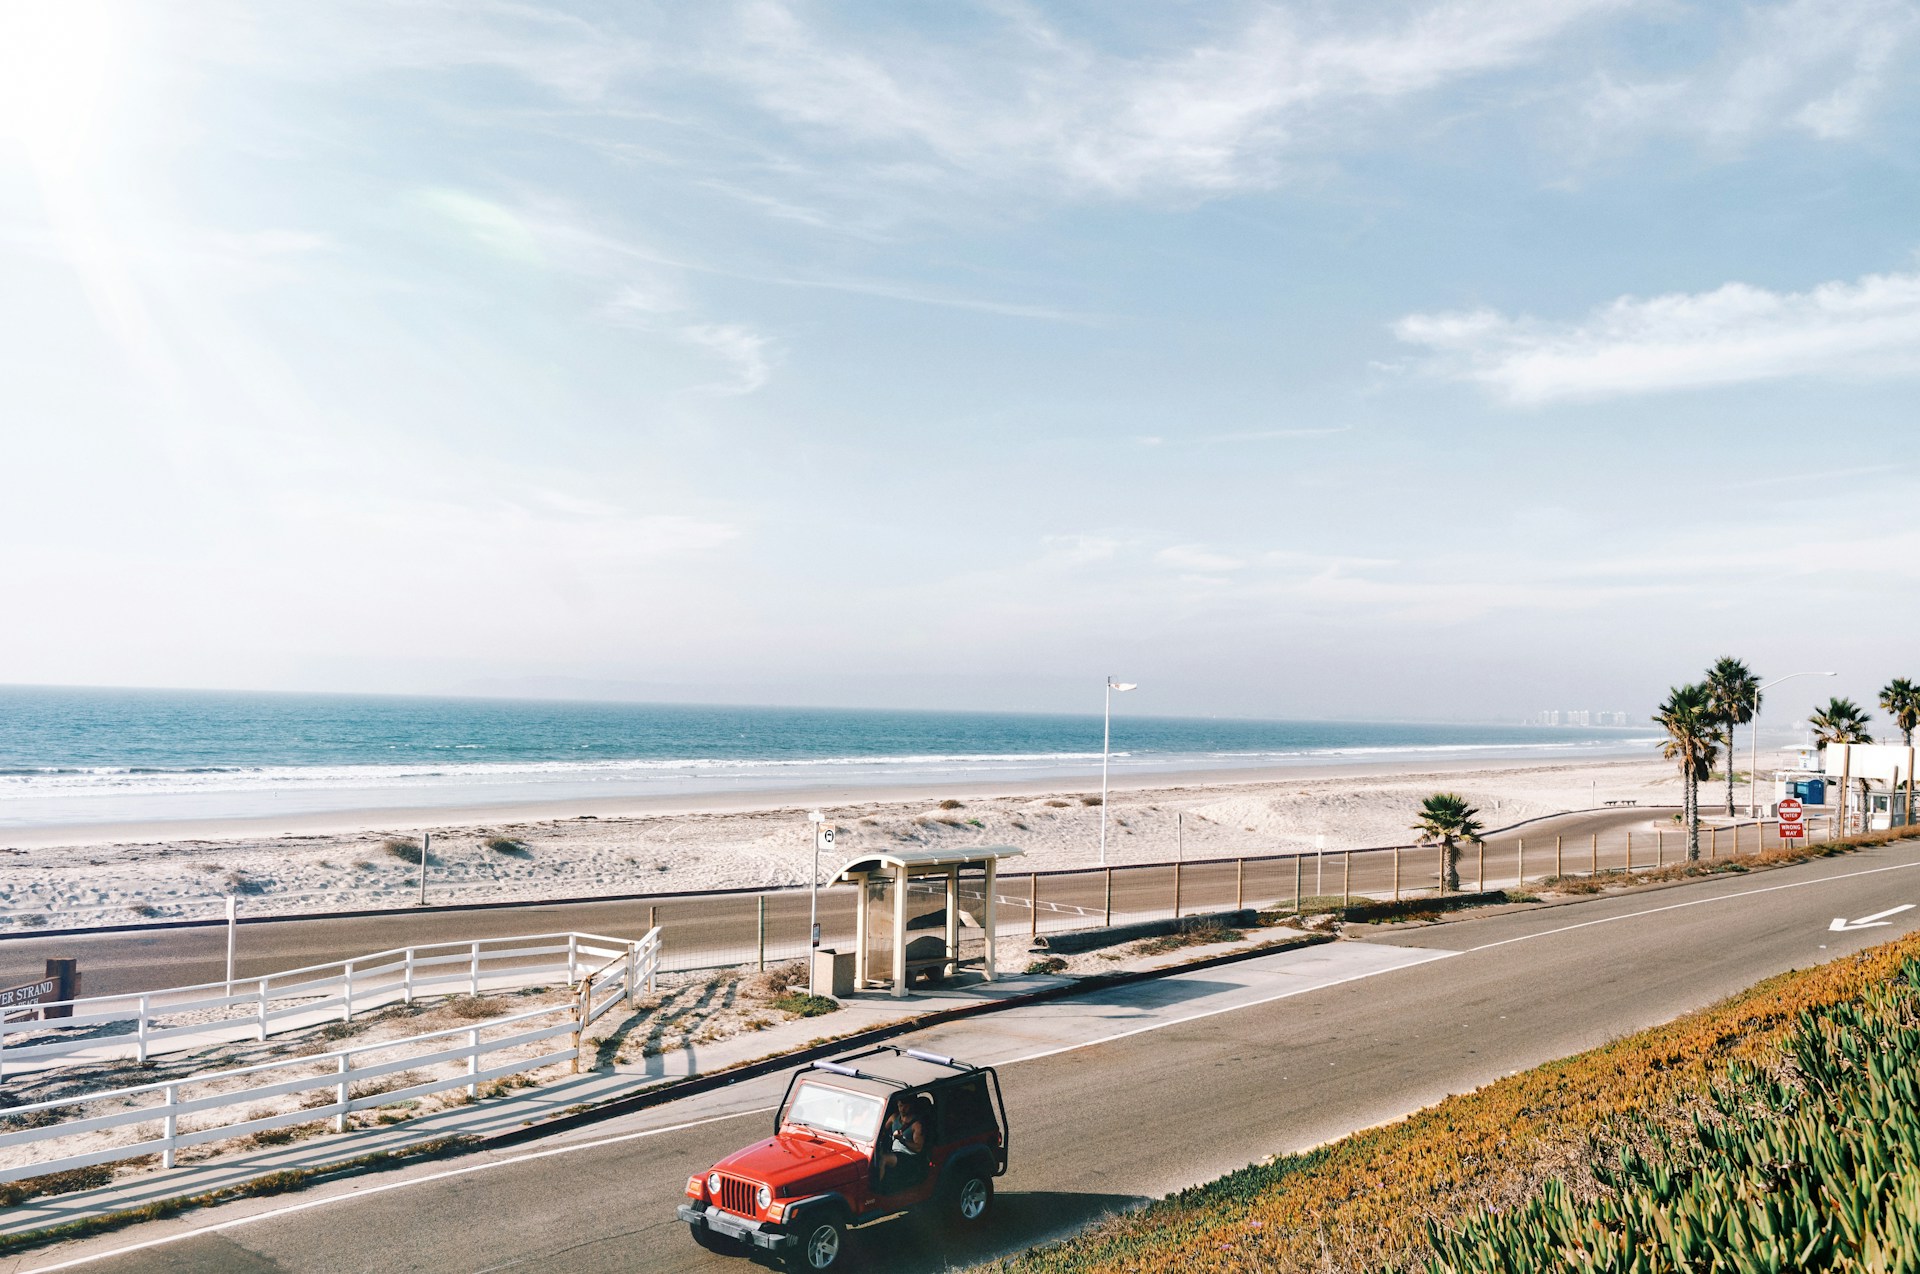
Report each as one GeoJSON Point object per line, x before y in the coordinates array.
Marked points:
{"type": "Point", "coordinates": [872, 1135]}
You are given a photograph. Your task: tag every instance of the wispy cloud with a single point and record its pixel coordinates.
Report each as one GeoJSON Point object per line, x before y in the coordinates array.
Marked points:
{"type": "Point", "coordinates": [1196, 559]}
{"type": "Point", "coordinates": [1812, 66]}
{"type": "Point", "coordinates": [1735, 334]}
{"type": "Point", "coordinates": [1275, 435]}
{"type": "Point", "coordinates": [744, 351]}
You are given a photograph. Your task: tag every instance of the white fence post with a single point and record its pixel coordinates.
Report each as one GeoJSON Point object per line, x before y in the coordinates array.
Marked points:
{"type": "Point", "coordinates": [633, 972]}
{"type": "Point", "coordinates": [140, 1053]}
{"type": "Point", "coordinates": [653, 963]}
{"type": "Point", "coordinates": [263, 1010]}
{"type": "Point", "coordinates": [581, 1004]}
{"type": "Point", "coordinates": [346, 1008]}
{"type": "Point", "coordinates": [473, 1064]}
{"type": "Point", "coordinates": [172, 1125]}
{"type": "Point", "coordinates": [340, 1118]}
{"type": "Point", "coordinates": [409, 979]}
{"type": "Point", "coordinates": [573, 956]}
{"type": "Point", "coordinates": [476, 969]}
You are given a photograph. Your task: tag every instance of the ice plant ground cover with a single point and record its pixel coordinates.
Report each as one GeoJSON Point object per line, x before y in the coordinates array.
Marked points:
{"type": "Point", "coordinates": [1546, 1169]}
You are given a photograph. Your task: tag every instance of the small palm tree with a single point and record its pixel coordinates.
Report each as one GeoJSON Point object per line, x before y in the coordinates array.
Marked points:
{"type": "Point", "coordinates": [1842, 721]}
{"type": "Point", "coordinates": [1692, 740]}
{"type": "Point", "coordinates": [1735, 693]}
{"type": "Point", "coordinates": [1448, 821]}
{"type": "Point", "coordinates": [1901, 701]}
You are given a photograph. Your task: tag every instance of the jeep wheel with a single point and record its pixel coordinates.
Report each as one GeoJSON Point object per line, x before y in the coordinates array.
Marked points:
{"type": "Point", "coordinates": [823, 1243]}
{"type": "Point", "coordinates": [971, 1200]}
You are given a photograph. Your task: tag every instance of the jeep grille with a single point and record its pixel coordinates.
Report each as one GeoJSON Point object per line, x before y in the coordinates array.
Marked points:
{"type": "Point", "coordinates": [738, 1196]}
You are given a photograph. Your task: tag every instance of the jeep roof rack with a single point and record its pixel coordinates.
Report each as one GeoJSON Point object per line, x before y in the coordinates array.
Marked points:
{"type": "Point", "coordinates": [845, 1066]}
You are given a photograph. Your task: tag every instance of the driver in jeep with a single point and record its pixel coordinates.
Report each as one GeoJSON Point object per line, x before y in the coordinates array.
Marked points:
{"type": "Point", "coordinates": [904, 1165]}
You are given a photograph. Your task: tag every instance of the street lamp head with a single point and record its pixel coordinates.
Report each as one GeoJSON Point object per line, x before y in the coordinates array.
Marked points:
{"type": "Point", "coordinates": [816, 816]}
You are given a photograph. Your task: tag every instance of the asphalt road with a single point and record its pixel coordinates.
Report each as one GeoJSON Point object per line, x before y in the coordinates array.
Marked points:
{"type": "Point", "coordinates": [706, 930]}
{"type": "Point", "coordinates": [1129, 1112]}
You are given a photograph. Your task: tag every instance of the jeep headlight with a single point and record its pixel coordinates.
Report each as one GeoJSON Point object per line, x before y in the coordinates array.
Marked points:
{"type": "Point", "coordinates": [713, 1184]}
{"type": "Point", "coordinates": [765, 1196]}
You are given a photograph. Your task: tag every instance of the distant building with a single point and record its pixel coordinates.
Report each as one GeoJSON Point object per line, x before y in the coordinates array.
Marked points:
{"type": "Point", "coordinates": [1578, 716]}
{"type": "Point", "coordinates": [1547, 717]}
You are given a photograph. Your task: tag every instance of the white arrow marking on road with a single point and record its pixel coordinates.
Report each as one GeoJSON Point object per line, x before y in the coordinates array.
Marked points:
{"type": "Point", "coordinates": [1878, 919]}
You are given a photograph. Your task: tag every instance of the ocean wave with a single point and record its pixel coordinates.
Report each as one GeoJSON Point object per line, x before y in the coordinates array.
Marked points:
{"type": "Point", "coordinates": [19, 784]}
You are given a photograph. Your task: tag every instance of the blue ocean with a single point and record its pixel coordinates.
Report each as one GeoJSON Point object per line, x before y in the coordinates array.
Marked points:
{"type": "Point", "coordinates": [112, 755]}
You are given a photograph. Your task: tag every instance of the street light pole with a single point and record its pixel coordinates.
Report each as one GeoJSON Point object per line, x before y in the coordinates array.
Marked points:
{"type": "Point", "coordinates": [1106, 749]}
{"type": "Point", "coordinates": [818, 820]}
{"type": "Point", "coordinates": [1753, 741]}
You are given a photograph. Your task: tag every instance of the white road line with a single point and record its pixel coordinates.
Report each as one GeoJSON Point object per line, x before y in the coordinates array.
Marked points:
{"type": "Point", "coordinates": [370, 1191]}
{"type": "Point", "coordinates": [1697, 902]}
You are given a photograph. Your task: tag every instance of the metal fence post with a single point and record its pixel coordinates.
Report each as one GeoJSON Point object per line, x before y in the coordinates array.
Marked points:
{"type": "Point", "coordinates": [1297, 868]}
{"type": "Point", "coordinates": [346, 1004]}
{"type": "Point", "coordinates": [1559, 866]}
{"type": "Point", "coordinates": [140, 1048]}
{"type": "Point", "coordinates": [1659, 849]}
{"type": "Point", "coordinates": [263, 1010]}
{"type": "Point", "coordinates": [761, 927]}
{"type": "Point", "coordinates": [1033, 906]}
{"type": "Point", "coordinates": [473, 1064]}
{"type": "Point", "coordinates": [1629, 853]}
{"type": "Point", "coordinates": [1109, 920]}
{"type": "Point", "coordinates": [1239, 884]}
{"type": "Point", "coordinates": [1346, 881]}
{"type": "Point", "coordinates": [171, 1128]}
{"type": "Point", "coordinates": [1520, 867]}
{"type": "Point", "coordinates": [1596, 856]}
{"type": "Point", "coordinates": [1176, 891]}
{"type": "Point", "coordinates": [1483, 867]}
{"type": "Point", "coordinates": [1396, 873]}
{"type": "Point", "coordinates": [340, 1116]}
{"type": "Point", "coordinates": [1713, 843]}
{"type": "Point", "coordinates": [408, 986]}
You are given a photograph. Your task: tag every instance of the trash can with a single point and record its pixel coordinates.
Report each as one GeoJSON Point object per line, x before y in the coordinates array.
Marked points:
{"type": "Point", "coordinates": [833, 972]}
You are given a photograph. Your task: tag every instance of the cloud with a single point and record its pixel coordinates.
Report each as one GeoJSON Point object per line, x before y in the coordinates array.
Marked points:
{"type": "Point", "coordinates": [743, 349]}
{"type": "Point", "coordinates": [1197, 560]}
{"type": "Point", "coordinates": [1811, 66]}
{"type": "Point", "coordinates": [1208, 117]}
{"type": "Point", "coordinates": [1735, 334]}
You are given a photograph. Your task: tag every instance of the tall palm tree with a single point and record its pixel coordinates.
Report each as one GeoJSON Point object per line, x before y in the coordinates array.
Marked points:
{"type": "Point", "coordinates": [1901, 701]}
{"type": "Point", "coordinates": [1735, 693]}
{"type": "Point", "coordinates": [1692, 741]}
{"type": "Point", "coordinates": [1448, 821]}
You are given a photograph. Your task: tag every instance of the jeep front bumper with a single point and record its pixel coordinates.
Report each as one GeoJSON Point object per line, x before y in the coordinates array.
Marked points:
{"type": "Point", "coordinates": [719, 1221]}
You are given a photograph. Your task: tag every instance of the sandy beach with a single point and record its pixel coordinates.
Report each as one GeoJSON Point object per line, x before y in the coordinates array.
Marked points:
{"type": "Point", "coordinates": [82, 877]}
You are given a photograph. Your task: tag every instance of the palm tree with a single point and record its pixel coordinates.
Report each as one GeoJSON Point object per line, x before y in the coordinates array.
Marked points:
{"type": "Point", "coordinates": [1901, 701]}
{"type": "Point", "coordinates": [1692, 740]}
{"type": "Point", "coordinates": [1735, 693]}
{"type": "Point", "coordinates": [1447, 820]}
{"type": "Point", "coordinates": [1841, 721]}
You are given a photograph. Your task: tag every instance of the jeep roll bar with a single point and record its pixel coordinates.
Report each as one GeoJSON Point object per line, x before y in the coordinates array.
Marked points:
{"type": "Point", "coordinates": [843, 1067]}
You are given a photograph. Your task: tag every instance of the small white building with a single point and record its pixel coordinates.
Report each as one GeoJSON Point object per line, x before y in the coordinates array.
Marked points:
{"type": "Point", "coordinates": [1877, 779]}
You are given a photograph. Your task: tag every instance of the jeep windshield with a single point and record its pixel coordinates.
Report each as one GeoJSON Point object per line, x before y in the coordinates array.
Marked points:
{"type": "Point", "coordinates": [855, 1116]}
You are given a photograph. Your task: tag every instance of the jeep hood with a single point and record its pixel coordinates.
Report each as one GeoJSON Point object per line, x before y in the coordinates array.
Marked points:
{"type": "Point", "coordinates": [790, 1158]}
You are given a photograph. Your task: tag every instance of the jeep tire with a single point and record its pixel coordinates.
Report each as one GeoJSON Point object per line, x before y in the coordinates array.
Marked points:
{"type": "Point", "coordinates": [822, 1244]}
{"type": "Point", "coordinates": [969, 1196]}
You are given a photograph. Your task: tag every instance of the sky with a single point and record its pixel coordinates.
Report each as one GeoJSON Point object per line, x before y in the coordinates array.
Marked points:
{"type": "Point", "coordinates": [1409, 360]}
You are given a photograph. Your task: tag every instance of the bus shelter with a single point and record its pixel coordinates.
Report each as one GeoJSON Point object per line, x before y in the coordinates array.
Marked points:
{"type": "Point", "coordinates": [912, 904]}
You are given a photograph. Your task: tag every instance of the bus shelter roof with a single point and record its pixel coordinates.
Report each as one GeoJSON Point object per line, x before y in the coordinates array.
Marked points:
{"type": "Point", "coordinates": [917, 861]}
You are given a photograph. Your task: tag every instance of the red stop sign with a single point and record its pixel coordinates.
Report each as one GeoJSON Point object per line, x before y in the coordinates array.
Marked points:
{"type": "Point", "coordinates": [1791, 809]}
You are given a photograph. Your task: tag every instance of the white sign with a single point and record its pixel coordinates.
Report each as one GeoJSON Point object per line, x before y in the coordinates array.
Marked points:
{"type": "Point", "coordinates": [823, 838]}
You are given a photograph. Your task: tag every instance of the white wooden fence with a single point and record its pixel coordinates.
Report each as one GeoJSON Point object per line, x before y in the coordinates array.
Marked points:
{"type": "Point", "coordinates": [192, 1016]}
{"type": "Point", "coordinates": [155, 1112]}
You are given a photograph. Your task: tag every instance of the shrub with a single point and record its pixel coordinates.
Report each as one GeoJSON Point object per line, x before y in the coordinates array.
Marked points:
{"type": "Point", "coordinates": [1047, 964]}
{"type": "Point", "coordinates": [949, 804]}
{"type": "Point", "coordinates": [407, 851]}
{"type": "Point", "coordinates": [144, 910]}
{"type": "Point", "coordinates": [474, 1008]}
{"type": "Point", "coordinates": [507, 845]}
{"type": "Point", "coordinates": [240, 883]}
{"type": "Point", "coordinates": [801, 1004]}
{"type": "Point", "coordinates": [1093, 800]}
{"type": "Point", "coordinates": [1058, 805]}
{"type": "Point", "coordinates": [779, 980]}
